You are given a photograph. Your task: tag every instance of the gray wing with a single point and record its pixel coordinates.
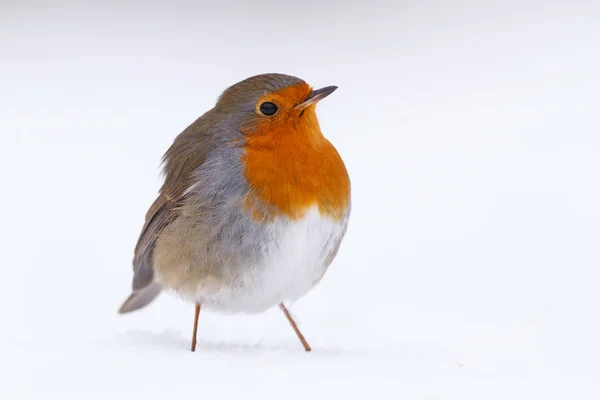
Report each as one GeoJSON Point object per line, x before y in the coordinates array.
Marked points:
{"type": "Point", "coordinates": [160, 215]}
{"type": "Point", "coordinates": [145, 289]}
{"type": "Point", "coordinates": [186, 154]}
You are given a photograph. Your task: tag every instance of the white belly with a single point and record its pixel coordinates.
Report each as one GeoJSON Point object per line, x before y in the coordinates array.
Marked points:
{"type": "Point", "coordinates": [295, 257]}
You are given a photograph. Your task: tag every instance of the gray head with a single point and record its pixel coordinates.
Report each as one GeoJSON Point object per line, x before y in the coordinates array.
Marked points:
{"type": "Point", "coordinates": [269, 96]}
{"type": "Point", "coordinates": [251, 89]}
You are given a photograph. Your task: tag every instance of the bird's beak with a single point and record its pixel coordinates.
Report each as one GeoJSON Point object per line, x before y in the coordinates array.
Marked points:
{"type": "Point", "coordinates": [314, 96]}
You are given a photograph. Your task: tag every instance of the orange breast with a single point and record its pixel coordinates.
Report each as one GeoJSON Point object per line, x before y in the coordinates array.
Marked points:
{"type": "Point", "coordinates": [291, 167]}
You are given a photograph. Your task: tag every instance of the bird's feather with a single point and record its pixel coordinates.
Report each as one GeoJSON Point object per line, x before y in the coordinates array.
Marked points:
{"type": "Point", "coordinates": [186, 154]}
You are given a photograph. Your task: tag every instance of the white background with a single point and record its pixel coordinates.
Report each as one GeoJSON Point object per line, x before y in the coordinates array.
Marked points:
{"type": "Point", "coordinates": [472, 136]}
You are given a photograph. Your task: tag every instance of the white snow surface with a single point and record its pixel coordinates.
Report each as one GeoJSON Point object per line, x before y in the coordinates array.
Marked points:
{"type": "Point", "coordinates": [471, 131]}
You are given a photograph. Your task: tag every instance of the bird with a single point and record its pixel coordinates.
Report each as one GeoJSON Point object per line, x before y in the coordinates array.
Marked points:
{"type": "Point", "coordinates": [254, 205]}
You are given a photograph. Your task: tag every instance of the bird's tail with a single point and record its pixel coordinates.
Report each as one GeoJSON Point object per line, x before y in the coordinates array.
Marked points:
{"type": "Point", "coordinates": [141, 298]}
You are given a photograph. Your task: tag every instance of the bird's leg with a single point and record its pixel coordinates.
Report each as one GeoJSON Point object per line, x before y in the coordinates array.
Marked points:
{"type": "Point", "coordinates": [197, 313]}
{"type": "Point", "coordinates": [295, 327]}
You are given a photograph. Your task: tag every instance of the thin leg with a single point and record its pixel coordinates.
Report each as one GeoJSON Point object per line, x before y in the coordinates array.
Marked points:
{"type": "Point", "coordinates": [295, 327]}
{"type": "Point", "coordinates": [197, 314]}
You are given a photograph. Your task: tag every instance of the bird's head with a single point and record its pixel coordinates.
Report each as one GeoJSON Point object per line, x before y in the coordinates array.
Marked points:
{"type": "Point", "coordinates": [273, 105]}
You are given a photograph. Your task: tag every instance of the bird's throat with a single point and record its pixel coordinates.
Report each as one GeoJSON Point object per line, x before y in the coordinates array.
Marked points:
{"type": "Point", "coordinates": [293, 169]}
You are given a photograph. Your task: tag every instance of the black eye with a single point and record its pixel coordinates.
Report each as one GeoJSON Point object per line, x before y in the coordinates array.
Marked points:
{"type": "Point", "coordinates": [268, 108]}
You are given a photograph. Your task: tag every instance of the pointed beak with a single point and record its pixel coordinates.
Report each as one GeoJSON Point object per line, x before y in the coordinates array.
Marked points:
{"type": "Point", "coordinates": [315, 96]}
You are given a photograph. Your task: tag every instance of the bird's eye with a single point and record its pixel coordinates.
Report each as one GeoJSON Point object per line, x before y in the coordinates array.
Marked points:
{"type": "Point", "coordinates": [268, 108]}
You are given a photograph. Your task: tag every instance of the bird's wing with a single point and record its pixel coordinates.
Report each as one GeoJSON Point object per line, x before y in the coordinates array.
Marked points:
{"type": "Point", "coordinates": [186, 154]}
{"type": "Point", "coordinates": [144, 288]}
{"type": "Point", "coordinates": [161, 213]}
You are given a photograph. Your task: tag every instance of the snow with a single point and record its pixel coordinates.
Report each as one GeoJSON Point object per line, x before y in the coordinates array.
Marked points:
{"type": "Point", "coordinates": [471, 266]}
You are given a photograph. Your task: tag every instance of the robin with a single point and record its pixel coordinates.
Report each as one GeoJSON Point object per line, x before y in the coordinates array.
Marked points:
{"type": "Point", "coordinates": [253, 208]}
